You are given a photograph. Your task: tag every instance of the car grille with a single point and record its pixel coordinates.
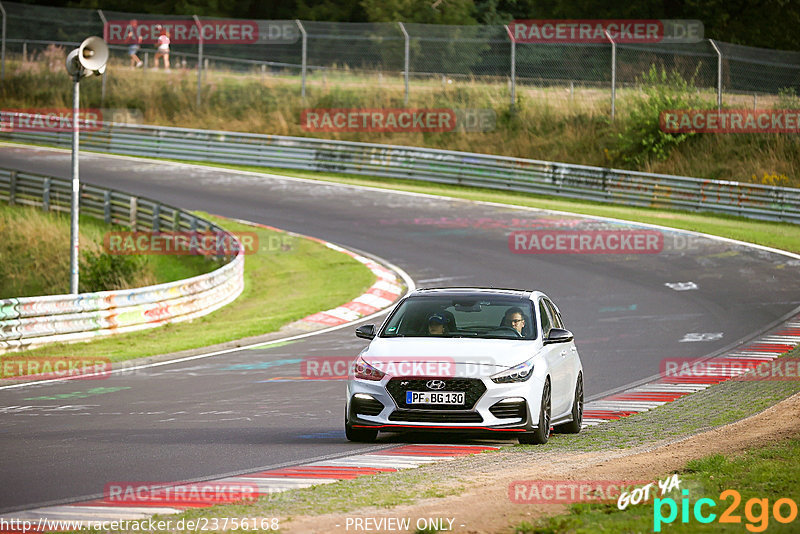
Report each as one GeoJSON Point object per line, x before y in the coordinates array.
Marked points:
{"type": "Point", "coordinates": [508, 410]}
{"type": "Point", "coordinates": [473, 388]}
{"type": "Point", "coordinates": [435, 416]}
{"type": "Point", "coordinates": [365, 406]}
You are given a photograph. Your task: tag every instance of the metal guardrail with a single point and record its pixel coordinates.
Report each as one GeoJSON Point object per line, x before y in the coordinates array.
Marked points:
{"type": "Point", "coordinates": [441, 166]}
{"type": "Point", "coordinates": [33, 321]}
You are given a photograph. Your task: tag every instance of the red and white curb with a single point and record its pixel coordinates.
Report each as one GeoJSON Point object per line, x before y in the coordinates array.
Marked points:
{"type": "Point", "coordinates": [666, 389]}
{"type": "Point", "coordinates": [269, 482]}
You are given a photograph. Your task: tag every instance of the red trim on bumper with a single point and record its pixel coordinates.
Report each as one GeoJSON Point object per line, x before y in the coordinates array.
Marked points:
{"type": "Point", "coordinates": [445, 427]}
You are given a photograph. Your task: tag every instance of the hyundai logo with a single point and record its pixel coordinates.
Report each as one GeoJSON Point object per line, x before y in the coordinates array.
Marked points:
{"type": "Point", "coordinates": [435, 384]}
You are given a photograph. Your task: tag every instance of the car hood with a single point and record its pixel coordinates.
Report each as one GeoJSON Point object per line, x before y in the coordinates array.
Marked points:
{"type": "Point", "coordinates": [462, 356]}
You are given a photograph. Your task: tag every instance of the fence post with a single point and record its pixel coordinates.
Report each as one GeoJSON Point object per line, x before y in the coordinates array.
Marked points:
{"type": "Point", "coordinates": [155, 223]}
{"type": "Point", "coordinates": [513, 67]}
{"type": "Point", "coordinates": [133, 213]}
{"type": "Point", "coordinates": [12, 191]}
{"type": "Point", "coordinates": [103, 76]}
{"type": "Point", "coordinates": [719, 74]}
{"type": "Point", "coordinates": [107, 206]}
{"type": "Point", "coordinates": [405, 68]}
{"type": "Point", "coordinates": [613, 75]}
{"type": "Point", "coordinates": [46, 194]}
{"type": "Point", "coordinates": [199, 59]}
{"type": "Point", "coordinates": [304, 58]}
{"type": "Point", "coordinates": [3, 45]}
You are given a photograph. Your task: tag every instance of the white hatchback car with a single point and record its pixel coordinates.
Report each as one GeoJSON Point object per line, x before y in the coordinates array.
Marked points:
{"type": "Point", "coordinates": [467, 360]}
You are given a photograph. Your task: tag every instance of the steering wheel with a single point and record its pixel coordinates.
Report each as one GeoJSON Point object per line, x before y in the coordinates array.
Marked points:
{"type": "Point", "coordinates": [509, 328]}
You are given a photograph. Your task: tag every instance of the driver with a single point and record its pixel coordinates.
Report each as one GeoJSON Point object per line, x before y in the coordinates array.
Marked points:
{"type": "Point", "coordinates": [436, 325]}
{"type": "Point", "coordinates": [515, 319]}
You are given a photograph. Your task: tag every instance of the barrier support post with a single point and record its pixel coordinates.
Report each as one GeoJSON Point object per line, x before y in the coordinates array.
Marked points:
{"type": "Point", "coordinates": [513, 67]}
{"type": "Point", "coordinates": [304, 59]}
{"type": "Point", "coordinates": [407, 53]}
{"type": "Point", "coordinates": [3, 45]}
{"type": "Point", "coordinates": [199, 60]}
{"type": "Point", "coordinates": [613, 75]}
{"type": "Point", "coordinates": [719, 74]}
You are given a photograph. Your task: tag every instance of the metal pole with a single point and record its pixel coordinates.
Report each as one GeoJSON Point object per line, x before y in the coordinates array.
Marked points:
{"type": "Point", "coordinates": [199, 59]}
{"type": "Point", "coordinates": [719, 74]}
{"type": "Point", "coordinates": [3, 45]}
{"type": "Point", "coordinates": [405, 68]}
{"type": "Point", "coordinates": [304, 58]}
{"type": "Point", "coordinates": [76, 188]}
{"type": "Point", "coordinates": [613, 75]}
{"type": "Point", "coordinates": [513, 67]}
{"type": "Point", "coordinates": [103, 78]}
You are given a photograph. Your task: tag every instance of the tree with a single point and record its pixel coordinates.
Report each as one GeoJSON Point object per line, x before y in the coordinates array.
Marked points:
{"type": "Point", "coordinates": [422, 11]}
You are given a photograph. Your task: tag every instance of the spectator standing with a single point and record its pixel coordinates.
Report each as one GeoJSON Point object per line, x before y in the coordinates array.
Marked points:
{"type": "Point", "coordinates": [134, 39]}
{"type": "Point", "coordinates": [163, 48]}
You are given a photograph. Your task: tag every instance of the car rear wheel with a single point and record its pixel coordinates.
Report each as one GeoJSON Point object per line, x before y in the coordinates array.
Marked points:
{"type": "Point", "coordinates": [362, 435]}
{"type": "Point", "coordinates": [542, 432]}
{"type": "Point", "coordinates": [574, 426]}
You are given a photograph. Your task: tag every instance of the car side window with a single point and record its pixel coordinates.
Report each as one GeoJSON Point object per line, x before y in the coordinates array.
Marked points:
{"type": "Point", "coordinates": [555, 316]}
{"type": "Point", "coordinates": [544, 317]}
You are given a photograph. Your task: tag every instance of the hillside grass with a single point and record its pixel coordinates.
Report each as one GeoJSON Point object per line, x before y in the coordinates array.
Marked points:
{"type": "Point", "coordinates": [34, 256]}
{"type": "Point", "coordinates": [550, 123]}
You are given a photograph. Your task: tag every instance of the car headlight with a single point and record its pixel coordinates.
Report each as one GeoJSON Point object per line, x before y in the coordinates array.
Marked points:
{"type": "Point", "coordinates": [365, 371]}
{"type": "Point", "coordinates": [518, 373]}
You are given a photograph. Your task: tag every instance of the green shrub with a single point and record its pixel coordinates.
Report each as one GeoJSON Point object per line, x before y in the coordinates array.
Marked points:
{"type": "Point", "coordinates": [101, 271]}
{"type": "Point", "coordinates": [642, 139]}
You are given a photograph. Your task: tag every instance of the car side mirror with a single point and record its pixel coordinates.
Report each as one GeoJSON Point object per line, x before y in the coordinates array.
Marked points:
{"type": "Point", "coordinates": [366, 331]}
{"type": "Point", "coordinates": [558, 335]}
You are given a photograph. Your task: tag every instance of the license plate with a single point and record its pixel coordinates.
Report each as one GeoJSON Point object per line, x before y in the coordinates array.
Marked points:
{"type": "Point", "coordinates": [434, 397]}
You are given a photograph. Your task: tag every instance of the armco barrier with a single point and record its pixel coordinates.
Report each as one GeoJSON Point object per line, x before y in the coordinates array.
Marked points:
{"type": "Point", "coordinates": [442, 166]}
{"type": "Point", "coordinates": [32, 321]}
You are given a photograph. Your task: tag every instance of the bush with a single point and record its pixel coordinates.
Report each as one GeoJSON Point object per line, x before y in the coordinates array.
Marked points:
{"type": "Point", "coordinates": [642, 138]}
{"type": "Point", "coordinates": [101, 271]}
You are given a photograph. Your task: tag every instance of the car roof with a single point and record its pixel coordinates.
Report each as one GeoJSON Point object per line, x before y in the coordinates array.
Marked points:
{"type": "Point", "coordinates": [473, 291]}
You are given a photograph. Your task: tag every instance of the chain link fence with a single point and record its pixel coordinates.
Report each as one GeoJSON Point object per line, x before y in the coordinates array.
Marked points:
{"type": "Point", "coordinates": [418, 57]}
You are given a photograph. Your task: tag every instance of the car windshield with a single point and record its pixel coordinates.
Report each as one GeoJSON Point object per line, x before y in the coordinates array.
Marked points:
{"type": "Point", "coordinates": [488, 317]}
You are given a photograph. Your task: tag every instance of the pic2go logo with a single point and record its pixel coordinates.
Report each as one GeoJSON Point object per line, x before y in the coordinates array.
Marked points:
{"type": "Point", "coordinates": [756, 511]}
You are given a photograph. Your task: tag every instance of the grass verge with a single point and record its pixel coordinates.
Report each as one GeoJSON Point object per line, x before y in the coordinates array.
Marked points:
{"type": "Point", "coordinates": [280, 287]}
{"type": "Point", "coordinates": [764, 475]}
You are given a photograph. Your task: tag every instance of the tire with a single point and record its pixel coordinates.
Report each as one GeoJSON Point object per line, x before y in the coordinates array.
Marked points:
{"type": "Point", "coordinates": [542, 432]}
{"type": "Point", "coordinates": [360, 435]}
{"type": "Point", "coordinates": [574, 426]}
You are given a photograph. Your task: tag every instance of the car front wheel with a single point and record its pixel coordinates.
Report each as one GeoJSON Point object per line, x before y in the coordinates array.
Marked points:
{"type": "Point", "coordinates": [574, 426]}
{"type": "Point", "coordinates": [542, 432]}
{"type": "Point", "coordinates": [361, 435]}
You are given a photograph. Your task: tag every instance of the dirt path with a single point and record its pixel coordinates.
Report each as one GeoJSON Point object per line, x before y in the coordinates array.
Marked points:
{"type": "Point", "coordinates": [484, 505]}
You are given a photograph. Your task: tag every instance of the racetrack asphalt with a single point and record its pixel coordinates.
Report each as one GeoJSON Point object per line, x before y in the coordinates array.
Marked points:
{"type": "Point", "coordinates": [251, 409]}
